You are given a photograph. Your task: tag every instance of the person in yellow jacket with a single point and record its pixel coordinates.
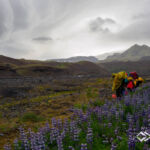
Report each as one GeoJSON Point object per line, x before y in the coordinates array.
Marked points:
{"type": "Point", "coordinates": [138, 82]}
{"type": "Point", "coordinates": [119, 83]}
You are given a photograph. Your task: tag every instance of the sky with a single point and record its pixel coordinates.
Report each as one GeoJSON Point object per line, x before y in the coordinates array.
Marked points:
{"type": "Point", "coordinates": [48, 29]}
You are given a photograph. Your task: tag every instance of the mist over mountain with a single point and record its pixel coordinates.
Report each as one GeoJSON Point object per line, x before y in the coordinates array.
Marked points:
{"type": "Point", "coordinates": [104, 56]}
{"type": "Point", "coordinates": [76, 59]}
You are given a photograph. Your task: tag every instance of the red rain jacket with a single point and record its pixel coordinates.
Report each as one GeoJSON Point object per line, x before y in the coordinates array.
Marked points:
{"type": "Point", "coordinates": [130, 85]}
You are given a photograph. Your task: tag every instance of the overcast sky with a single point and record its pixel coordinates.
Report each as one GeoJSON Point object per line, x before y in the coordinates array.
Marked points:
{"type": "Point", "coordinates": [45, 29]}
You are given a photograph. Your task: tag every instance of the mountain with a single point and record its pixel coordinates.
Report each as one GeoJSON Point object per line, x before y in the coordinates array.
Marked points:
{"type": "Point", "coordinates": [134, 53]}
{"type": "Point", "coordinates": [76, 59]}
{"type": "Point", "coordinates": [19, 67]}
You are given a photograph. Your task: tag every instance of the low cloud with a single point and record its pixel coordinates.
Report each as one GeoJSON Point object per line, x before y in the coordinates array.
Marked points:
{"type": "Point", "coordinates": [42, 39]}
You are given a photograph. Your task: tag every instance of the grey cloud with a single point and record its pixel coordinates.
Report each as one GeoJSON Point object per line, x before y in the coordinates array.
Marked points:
{"type": "Point", "coordinates": [42, 39]}
{"type": "Point", "coordinates": [136, 31]}
{"type": "Point", "coordinates": [141, 16]}
{"type": "Point", "coordinates": [100, 24]}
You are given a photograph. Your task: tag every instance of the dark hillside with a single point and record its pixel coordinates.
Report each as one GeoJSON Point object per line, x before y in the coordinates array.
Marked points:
{"type": "Point", "coordinates": [142, 67]}
{"type": "Point", "coordinates": [20, 67]}
{"type": "Point", "coordinates": [17, 62]}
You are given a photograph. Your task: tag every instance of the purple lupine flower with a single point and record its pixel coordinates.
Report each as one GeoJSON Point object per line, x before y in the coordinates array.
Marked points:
{"type": "Point", "coordinates": [116, 131]}
{"type": "Point", "coordinates": [66, 126]}
{"type": "Point", "coordinates": [47, 127]}
{"type": "Point", "coordinates": [105, 141]}
{"type": "Point", "coordinates": [76, 132]}
{"type": "Point", "coordinates": [83, 146]}
{"type": "Point", "coordinates": [40, 140]}
{"type": "Point", "coordinates": [99, 115]}
{"type": "Point", "coordinates": [54, 133]}
{"type": "Point", "coordinates": [54, 122]}
{"type": "Point", "coordinates": [117, 115]}
{"type": "Point", "coordinates": [33, 141]}
{"type": "Point", "coordinates": [104, 125]}
{"type": "Point", "coordinates": [109, 124]}
{"type": "Point", "coordinates": [148, 121]}
{"type": "Point", "coordinates": [130, 131]}
{"type": "Point", "coordinates": [7, 147]}
{"type": "Point", "coordinates": [131, 143]}
{"type": "Point", "coordinates": [111, 140]}
{"type": "Point", "coordinates": [16, 145]}
{"type": "Point", "coordinates": [119, 138]}
{"type": "Point", "coordinates": [52, 136]}
{"type": "Point", "coordinates": [72, 127]}
{"type": "Point", "coordinates": [113, 146]}
{"type": "Point", "coordinates": [23, 138]}
{"type": "Point", "coordinates": [63, 134]}
{"type": "Point", "coordinates": [137, 126]}
{"type": "Point", "coordinates": [59, 124]}
{"type": "Point", "coordinates": [70, 148]}
{"type": "Point", "coordinates": [59, 143]}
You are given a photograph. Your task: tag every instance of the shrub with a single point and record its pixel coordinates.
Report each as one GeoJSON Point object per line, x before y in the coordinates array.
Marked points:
{"type": "Point", "coordinates": [31, 117]}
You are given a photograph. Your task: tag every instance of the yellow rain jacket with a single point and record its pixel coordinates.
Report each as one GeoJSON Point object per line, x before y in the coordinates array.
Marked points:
{"type": "Point", "coordinates": [138, 79]}
{"type": "Point", "coordinates": [118, 78]}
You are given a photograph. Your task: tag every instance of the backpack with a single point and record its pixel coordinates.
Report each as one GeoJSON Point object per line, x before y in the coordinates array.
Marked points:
{"type": "Point", "coordinates": [134, 75]}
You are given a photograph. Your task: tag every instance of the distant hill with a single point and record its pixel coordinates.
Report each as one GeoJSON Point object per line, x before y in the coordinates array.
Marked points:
{"type": "Point", "coordinates": [76, 59]}
{"type": "Point", "coordinates": [134, 53]}
{"type": "Point", "coordinates": [20, 67]}
{"type": "Point", "coordinates": [141, 67]}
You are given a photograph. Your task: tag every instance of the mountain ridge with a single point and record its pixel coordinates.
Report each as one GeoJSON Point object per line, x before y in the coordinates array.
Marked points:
{"type": "Point", "coordinates": [134, 53]}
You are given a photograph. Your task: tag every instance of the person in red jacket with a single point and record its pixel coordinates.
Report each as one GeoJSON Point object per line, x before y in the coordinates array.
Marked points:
{"type": "Point", "coordinates": [130, 85]}
{"type": "Point", "coordinates": [134, 75]}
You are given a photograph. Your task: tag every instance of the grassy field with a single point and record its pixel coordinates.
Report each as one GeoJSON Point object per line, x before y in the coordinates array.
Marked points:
{"type": "Point", "coordinates": [47, 101]}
